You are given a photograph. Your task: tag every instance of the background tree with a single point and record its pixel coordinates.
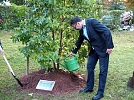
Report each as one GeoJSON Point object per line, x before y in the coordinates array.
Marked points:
{"type": "Point", "coordinates": [129, 4]}
{"type": "Point", "coordinates": [117, 6]}
{"type": "Point", "coordinates": [107, 3]}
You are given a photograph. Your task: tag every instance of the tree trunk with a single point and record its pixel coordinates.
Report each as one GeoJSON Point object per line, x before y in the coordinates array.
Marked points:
{"type": "Point", "coordinates": [27, 67]}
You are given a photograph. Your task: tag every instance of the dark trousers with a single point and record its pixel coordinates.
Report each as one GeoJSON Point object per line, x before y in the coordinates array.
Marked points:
{"type": "Point", "coordinates": [103, 65]}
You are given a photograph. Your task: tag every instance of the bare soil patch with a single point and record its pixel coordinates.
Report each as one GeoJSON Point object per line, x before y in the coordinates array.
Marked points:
{"type": "Point", "coordinates": [65, 82]}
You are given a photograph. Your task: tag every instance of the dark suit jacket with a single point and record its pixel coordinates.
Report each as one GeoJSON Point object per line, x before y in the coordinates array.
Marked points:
{"type": "Point", "coordinates": [99, 37]}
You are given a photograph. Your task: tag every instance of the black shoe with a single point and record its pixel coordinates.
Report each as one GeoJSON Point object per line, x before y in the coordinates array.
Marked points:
{"type": "Point", "coordinates": [98, 97]}
{"type": "Point", "coordinates": [85, 90]}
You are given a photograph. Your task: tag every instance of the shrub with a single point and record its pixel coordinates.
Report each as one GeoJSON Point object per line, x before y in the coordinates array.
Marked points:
{"type": "Point", "coordinates": [12, 15]}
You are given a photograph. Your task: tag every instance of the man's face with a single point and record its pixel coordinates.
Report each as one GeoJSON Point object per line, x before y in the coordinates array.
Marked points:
{"type": "Point", "coordinates": [77, 26]}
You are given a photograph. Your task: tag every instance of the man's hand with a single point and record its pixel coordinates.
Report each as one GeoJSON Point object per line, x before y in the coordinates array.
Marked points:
{"type": "Point", "coordinates": [2, 52]}
{"type": "Point", "coordinates": [0, 20]}
{"type": "Point", "coordinates": [70, 54]}
{"type": "Point", "coordinates": [109, 51]}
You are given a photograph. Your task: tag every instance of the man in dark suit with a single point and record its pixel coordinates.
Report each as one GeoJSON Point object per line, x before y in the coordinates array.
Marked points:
{"type": "Point", "coordinates": [100, 39]}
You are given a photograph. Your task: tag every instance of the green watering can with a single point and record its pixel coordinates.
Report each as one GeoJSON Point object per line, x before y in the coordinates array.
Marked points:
{"type": "Point", "coordinates": [71, 64]}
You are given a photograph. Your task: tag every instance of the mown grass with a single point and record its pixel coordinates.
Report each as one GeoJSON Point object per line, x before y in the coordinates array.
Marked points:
{"type": "Point", "coordinates": [121, 67]}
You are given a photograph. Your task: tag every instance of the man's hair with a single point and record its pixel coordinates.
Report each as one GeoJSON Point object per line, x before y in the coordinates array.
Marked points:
{"type": "Point", "coordinates": [75, 20]}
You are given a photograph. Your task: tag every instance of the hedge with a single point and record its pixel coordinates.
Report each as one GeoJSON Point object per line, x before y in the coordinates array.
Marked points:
{"type": "Point", "coordinates": [12, 15]}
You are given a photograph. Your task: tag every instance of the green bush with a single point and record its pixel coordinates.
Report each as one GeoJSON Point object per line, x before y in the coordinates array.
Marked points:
{"type": "Point", "coordinates": [12, 15]}
{"type": "Point", "coordinates": [116, 14]}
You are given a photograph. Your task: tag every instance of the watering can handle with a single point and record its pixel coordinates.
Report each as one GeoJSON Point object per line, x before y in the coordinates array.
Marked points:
{"type": "Point", "coordinates": [72, 55]}
{"type": "Point", "coordinates": [75, 56]}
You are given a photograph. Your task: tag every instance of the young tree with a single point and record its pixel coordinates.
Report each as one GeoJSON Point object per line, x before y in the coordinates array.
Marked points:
{"type": "Point", "coordinates": [46, 33]}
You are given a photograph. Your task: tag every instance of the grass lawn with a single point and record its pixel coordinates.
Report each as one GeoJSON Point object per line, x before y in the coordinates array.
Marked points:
{"type": "Point", "coordinates": [121, 67]}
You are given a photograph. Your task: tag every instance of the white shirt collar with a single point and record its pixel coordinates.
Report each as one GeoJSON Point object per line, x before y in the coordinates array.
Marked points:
{"type": "Point", "coordinates": [84, 22]}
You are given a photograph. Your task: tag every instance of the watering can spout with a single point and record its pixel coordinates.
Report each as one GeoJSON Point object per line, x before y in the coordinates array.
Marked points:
{"type": "Point", "coordinates": [63, 64]}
